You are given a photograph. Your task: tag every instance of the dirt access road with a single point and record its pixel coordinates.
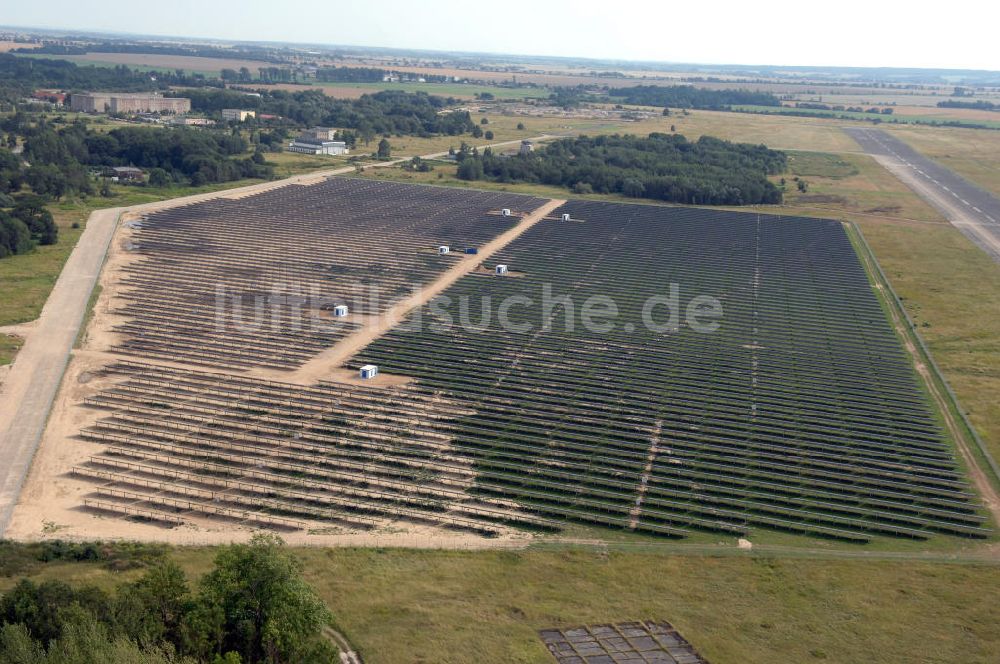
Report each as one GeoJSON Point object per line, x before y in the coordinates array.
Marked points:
{"type": "Point", "coordinates": [973, 211]}
{"type": "Point", "coordinates": [32, 382]}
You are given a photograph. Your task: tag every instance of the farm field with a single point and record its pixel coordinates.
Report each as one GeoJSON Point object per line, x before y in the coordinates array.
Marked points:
{"type": "Point", "coordinates": [158, 61]}
{"type": "Point", "coordinates": [457, 90]}
{"type": "Point", "coordinates": [6, 46]}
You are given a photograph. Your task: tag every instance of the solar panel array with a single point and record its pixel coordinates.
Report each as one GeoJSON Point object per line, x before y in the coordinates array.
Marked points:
{"type": "Point", "coordinates": [251, 281]}
{"type": "Point", "coordinates": [801, 412]}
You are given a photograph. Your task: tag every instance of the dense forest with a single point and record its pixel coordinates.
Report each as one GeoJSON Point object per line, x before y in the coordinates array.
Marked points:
{"type": "Point", "coordinates": [58, 159]}
{"type": "Point", "coordinates": [381, 113]}
{"type": "Point", "coordinates": [979, 104]}
{"type": "Point", "coordinates": [350, 74]}
{"type": "Point", "coordinates": [663, 167]}
{"type": "Point", "coordinates": [688, 96]}
{"type": "Point", "coordinates": [388, 112]}
{"type": "Point", "coordinates": [20, 76]}
{"type": "Point", "coordinates": [367, 75]}
{"type": "Point", "coordinates": [253, 607]}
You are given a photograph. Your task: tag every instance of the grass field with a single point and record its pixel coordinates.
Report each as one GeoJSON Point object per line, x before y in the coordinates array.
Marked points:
{"type": "Point", "coordinates": [930, 119]}
{"type": "Point", "coordinates": [408, 607]}
{"type": "Point", "coordinates": [26, 279]}
{"type": "Point", "coordinates": [9, 345]}
{"type": "Point", "coordinates": [774, 131]}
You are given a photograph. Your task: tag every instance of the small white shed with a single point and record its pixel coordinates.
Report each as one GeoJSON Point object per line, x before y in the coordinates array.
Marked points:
{"type": "Point", "coordinates": [368, 371]}
{"type": "Point", "coordinates": [444, 249]}
{"type": "Point", "coordinates": [340, 310]}
{"type": "Point", "coordinates": [501, 269]}
{"type": "Point", "coordinates": [565, 216]}
{"type": "Point", "coordinates": [505, 212]}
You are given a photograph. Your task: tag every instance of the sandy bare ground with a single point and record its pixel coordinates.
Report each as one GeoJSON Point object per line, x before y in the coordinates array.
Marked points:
{"type": "Point", "coordinates": [325, 365]}
{"type": "Point", "coordinates": [20, 330]}
{"type": "Point", "coordinates": [6, 46]}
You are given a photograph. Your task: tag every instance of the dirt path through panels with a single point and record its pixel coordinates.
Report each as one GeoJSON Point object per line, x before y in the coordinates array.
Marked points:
{"type": "Point", "coordinates": [982, 482]}
{"type": "Point", "coordinates": [325, 365]}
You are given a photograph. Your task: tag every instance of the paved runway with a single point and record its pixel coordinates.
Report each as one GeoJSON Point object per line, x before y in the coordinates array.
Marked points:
{"type": "Point", "coordinates": [969, 208]}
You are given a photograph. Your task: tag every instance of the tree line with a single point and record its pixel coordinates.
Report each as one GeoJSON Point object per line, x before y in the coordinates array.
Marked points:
{"type": "Point", "coordinates": [20, 76]}
{"type": "Point", "coordinates": [57, 160]}
{"type": "Point", "coordinates": [665, 167]}
{"type": "Point", "coordinates": [238, 51]}
{"type": "Point", "coordinates": [688, 96]}
{"type": "Point", "coordinates": [369, 75]}
{"type": "Point", "coordinates": [979, 104]}
{"type": "Point", "coordinates": [253, 607]}
{"type": "Point", "coordinates": [24, 224]}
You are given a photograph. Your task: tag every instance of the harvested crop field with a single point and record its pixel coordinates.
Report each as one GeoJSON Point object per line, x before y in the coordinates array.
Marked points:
{"type": "Point", "coordinates": [198, 407]}
{"type": "Point", "coordinates": [162, 61]}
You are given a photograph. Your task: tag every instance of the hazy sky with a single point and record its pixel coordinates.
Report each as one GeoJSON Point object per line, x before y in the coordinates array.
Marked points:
{"type": "Point", "coordinates": [959, 33]}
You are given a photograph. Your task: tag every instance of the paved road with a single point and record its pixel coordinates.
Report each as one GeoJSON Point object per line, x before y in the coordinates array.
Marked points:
{"type": "Point", "coordinates": [30, 388]}
{"type": "Point", "coordinates": [33, 381]}
{"type": "Point", "coordinates": [972, 210]}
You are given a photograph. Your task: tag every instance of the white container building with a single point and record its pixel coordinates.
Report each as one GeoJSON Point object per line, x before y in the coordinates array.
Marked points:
{"type": "Point", "coordinates": [368, 371]}
{"type": "Point", "coordinates": [340, 310]}
{"type": "Point", "coordinates": [501, 269]}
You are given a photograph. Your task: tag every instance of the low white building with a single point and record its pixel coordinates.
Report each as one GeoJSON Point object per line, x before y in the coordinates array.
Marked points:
{"type": "Point", "coordinates": [312, 145]}
{"type": "Point", "coordinates": [340, 310]}
{"type": "Point", "coordinates": [368, 371]}
{"type": "Point", "coordinates": [501, 269]}
{"type": "Point", "coordinates": [236, 114]}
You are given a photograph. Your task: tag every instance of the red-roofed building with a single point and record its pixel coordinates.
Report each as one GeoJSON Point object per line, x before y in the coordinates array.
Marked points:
{"type": "Point", "coordinates": [49, 95]}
